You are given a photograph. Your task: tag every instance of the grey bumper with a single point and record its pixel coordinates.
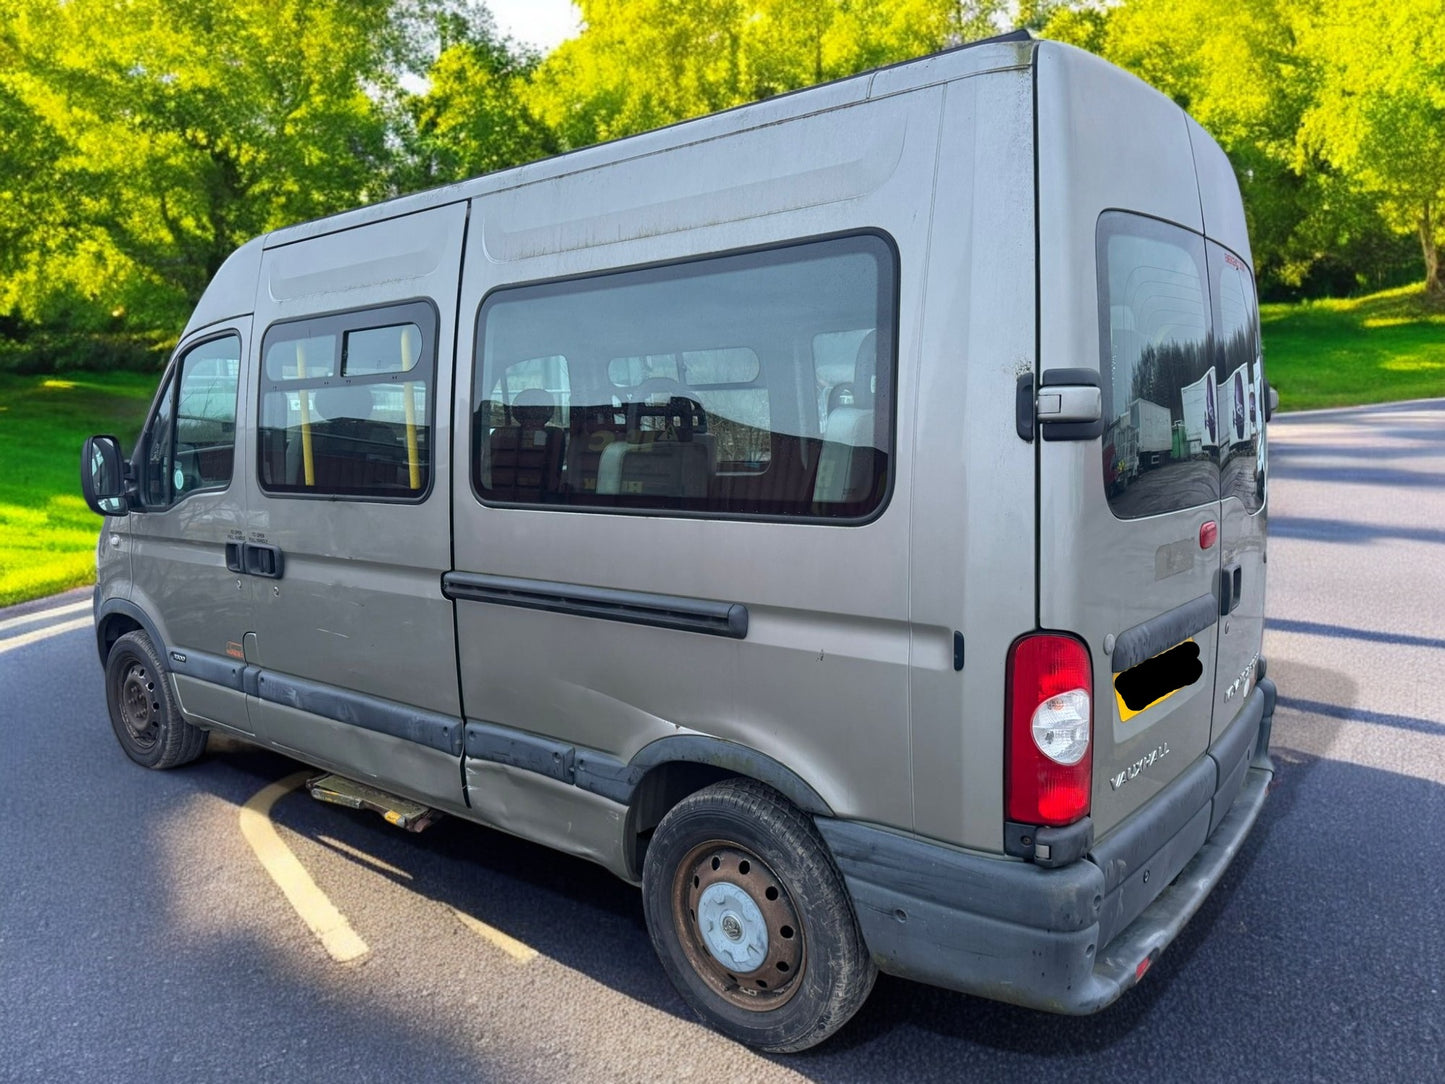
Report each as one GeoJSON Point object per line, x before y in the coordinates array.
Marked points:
{"type": "Point", "coordinates": [1068, 940]}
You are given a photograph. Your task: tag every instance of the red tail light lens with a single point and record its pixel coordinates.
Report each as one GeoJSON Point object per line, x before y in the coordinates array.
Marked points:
{"type": "Point", "coordinates": [1048, 773]}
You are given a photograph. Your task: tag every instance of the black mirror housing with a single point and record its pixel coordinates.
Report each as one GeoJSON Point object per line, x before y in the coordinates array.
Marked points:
{"type": "Point", "coordinates": [102, 476]}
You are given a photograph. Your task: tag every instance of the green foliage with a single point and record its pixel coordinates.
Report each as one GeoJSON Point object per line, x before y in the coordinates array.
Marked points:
{"type": "Point", "coordinates": [173, 130]}
{"type": "Point", "coordinates": [472, 118]}
{"type": "Point", "coordinates": [1376, 349]}
{"type": "Point", "coordinates": [1331, 113]}
{"type": "Point", "coordinates": [47, 535]}
{"type": "Point", "coordinates": [144, 140]}
{"type": "Point", "coordinates": [640, 64]}
{"type": "Point", "coordinates": [1378, 110]}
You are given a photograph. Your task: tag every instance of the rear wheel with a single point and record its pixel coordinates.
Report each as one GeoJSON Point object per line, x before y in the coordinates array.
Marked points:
{"type": "Point", "coordinates": [143, 713]}
{"type": "Point", "coordinates": [751, 920]}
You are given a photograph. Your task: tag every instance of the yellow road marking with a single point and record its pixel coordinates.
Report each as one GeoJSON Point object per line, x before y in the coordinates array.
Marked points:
{"type": "Point", "coordinates": [523, 954]}
{"type": "Point", "coordinates": [44, 634]}
{"type": "Point", "coordinates": [325, 921]}
{"type": "Point", "coordinates": [41, 615]}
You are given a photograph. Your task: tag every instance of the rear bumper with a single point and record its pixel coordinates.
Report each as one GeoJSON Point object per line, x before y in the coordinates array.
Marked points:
{"type": "Point", "coordinates": [1072, 939]}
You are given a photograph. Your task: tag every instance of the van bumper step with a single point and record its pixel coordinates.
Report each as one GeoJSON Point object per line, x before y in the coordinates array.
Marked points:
{"type": "Point", "coordinates": [338, 790]}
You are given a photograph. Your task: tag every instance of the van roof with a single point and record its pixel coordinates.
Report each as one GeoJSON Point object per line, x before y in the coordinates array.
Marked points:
{"type": "Point", "coordinates": [1002, 52]}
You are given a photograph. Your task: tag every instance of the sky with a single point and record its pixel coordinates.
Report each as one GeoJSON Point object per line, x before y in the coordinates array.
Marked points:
{"type": "Point", "coordinates": [540, 23]}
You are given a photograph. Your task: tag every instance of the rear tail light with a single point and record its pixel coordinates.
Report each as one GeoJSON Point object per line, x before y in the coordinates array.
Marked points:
{"type": "Point", "coordinates": [1048, 772]}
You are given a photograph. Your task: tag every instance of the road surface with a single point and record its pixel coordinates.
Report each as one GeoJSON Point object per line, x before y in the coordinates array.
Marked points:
{"type": "Point", "coordinates": [142, 937]}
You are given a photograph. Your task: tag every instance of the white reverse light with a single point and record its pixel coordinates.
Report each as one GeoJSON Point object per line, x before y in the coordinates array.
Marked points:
{"type": "Point", "coordinates": [1061, 726]}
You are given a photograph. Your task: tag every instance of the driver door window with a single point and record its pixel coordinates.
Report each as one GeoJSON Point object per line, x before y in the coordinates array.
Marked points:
{"type": "Point", "coordinates": [190, 443]}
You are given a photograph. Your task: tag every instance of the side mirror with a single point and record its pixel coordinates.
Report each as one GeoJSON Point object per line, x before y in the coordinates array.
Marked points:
{"type": "Point", "coordinates": [1271, 402]}
{"type": "Point", "coordinates": [102, 476]}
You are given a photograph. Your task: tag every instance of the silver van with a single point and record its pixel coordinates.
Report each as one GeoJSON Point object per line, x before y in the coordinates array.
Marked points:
{"type": "Point", "coordinates": [843, 516]}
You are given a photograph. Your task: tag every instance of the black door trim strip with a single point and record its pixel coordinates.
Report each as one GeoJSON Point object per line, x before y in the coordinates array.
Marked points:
{"type": "Point", "coordinates": [1149, 638]}
{"type": "Point", "coordinates": [633, 607]}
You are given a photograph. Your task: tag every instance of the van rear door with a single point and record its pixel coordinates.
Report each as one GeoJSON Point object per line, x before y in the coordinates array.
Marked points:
{"type": "Point", "coordinates": [1242, 481]}
{"type": "Point", "coordinates": [1143, 590]}
{"type": "Point", "coordinates": [1128, 520]}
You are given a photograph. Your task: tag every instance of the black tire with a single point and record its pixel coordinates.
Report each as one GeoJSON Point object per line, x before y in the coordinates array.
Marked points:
{"type": "Point", "coordinates": [810, 973]}
{"type": "Point", "coordinates": [143, 712]}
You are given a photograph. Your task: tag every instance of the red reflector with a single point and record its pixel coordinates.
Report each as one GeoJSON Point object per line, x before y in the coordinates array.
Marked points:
{"type": "Point", "coordinates": [1208, 535]}
{"type": "Point", "coordinates": [1143, 967]}
{"type": "Point", "coordinates": [1039, 789]}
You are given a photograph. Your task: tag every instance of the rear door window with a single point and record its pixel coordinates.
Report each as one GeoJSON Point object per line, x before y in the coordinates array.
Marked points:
{"type": "Point", "coordinates": [1160, 384]}
{"type": "Point", "coordinates": [1240, 377]}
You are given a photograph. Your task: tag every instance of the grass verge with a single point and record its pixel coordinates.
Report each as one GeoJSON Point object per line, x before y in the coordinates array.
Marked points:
{"type": "Point", "coordinates": [1348, 352]}
{"type": "Point", "coordinates": [47, 534]}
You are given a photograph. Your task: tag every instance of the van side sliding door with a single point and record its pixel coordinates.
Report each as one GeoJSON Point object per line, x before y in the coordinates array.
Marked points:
{"type": "Point", "coordinates": [349, 531]}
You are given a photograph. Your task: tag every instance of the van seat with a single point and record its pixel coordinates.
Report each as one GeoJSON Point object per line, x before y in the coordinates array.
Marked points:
{"type": "Point", "coordinates": [655, 468]}
{"type": "Point", "coordinates": [591, 431]}
{"type": "Point", "coordinates": [847, 461]}
{"type": "Point", "coordinates": [351, 450]}
{"type": "Point", "coordinates": [523, 461]}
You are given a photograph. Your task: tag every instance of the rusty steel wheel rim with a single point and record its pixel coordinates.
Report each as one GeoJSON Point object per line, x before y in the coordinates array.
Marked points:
{"type": "Point", "coordinates": [139, 706]}
{"type": "Point", "coordinates": [739, 928]}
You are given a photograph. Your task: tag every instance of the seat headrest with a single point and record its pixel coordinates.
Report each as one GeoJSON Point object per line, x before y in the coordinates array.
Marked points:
{"type": "Point", "coordinates": [344, 401]}
{"type": "Point", "coordinates": [663, 397]}
{"type": "Point", "coordinates": [533, 407]}
{"type": "Point", "coordinates": [865, 371]}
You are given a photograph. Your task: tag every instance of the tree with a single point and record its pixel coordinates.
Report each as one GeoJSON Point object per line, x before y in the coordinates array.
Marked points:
{"type": "Point", "coordinates": [471, 118]}
{"type": "Point", "coordinates": [640, 64]}
{"type": "Point", "coordinates": [177, 129]}
{"type": "Point", "coordinates": [1378, 110]}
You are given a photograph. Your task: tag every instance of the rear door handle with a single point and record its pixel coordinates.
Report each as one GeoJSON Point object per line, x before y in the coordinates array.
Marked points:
{"type": "Point", "coordinates": [261, 560]}
{"type": "Point", "coordinates": [1231, 584]}
{"type": "Point", "coordinates": [234, 559]}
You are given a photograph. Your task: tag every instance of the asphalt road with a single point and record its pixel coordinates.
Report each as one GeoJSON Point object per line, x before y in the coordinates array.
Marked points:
{"type": "Point", "coordinates": [142, 940]}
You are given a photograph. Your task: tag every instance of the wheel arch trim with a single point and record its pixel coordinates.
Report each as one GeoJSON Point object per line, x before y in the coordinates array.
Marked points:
{"type": "Point", "coordinates": [732, 757]}
{"type": "Point", "coordinates": [119, 607]}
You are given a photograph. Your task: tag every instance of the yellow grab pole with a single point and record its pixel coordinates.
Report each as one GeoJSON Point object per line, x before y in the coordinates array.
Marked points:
{"type": "Point", "coordinates": [307, 461]}
{"type": "Point", "coordinates": [413, 460]}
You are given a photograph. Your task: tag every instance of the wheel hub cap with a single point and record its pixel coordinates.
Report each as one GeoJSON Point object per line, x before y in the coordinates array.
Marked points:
{"type": "Point", "coordinates": [732, 927]}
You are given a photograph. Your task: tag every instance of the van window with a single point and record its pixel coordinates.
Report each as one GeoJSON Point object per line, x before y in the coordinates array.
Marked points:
{"type": "Point", "coordinates": [1160, 386]}
{"type": "Point", "coordinates": [1240, 376]}
{"type": "Point", "coordinates": [694, 387]}
{"type": "Point", "coordinates": [346, 404]}
{"type": "Point", "coordinates": [190, 443]}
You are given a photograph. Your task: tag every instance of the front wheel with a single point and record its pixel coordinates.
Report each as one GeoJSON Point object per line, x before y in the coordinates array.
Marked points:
{"type": "Point", "coordinates": [143, 713]}
{"type": "Point", "coordinates": [751, 919]}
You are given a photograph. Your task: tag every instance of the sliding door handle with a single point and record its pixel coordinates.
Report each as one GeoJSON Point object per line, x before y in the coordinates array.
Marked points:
{"type": "Point", "coordinates": [262, 560]}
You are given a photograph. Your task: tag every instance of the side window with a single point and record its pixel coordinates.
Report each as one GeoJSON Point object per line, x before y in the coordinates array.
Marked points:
{"type": "Point", "coordinates": [1240, 377]}
{"type": "Point", "coordinates": [346, 404]}
{"type": "Point", "coordinates": [1160, 385]}
{"type": "Point", "coordinates": [190, 444]}
{"type": "Point", "coordinates": [696, 387]}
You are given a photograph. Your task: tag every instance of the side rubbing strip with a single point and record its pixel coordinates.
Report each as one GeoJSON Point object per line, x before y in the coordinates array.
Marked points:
{"type": "Point", "coordinates": [217, 669]}
{"type": "Point", "coordinates": [634, 607]}
{"type": "Point", "coordinates": [504, 745]}
{"type": "Point", "coordinates": [427, 728]}
{"type": "Point", "coordinates": [1149, 638]}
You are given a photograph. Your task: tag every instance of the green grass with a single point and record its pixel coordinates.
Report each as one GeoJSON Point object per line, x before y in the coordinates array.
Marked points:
{"type": "Point", "coordinates": [47, 534]}
{"type": "Point", "coordinates": [1377, 349]}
